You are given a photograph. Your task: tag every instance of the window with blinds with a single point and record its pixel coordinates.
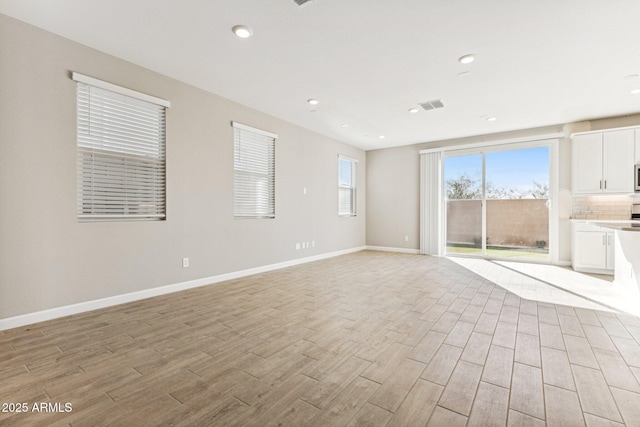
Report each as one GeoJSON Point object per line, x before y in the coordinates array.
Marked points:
{"type": "Point", "coordinates": [254, 172]}
{"type": "Point", "coordinates": [121, 153]}
{"type": "Point", "coordinates": [346, 186]}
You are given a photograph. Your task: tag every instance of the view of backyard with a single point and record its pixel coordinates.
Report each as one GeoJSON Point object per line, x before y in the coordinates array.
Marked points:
{"type": "Point", "coordinates": [516, 192]}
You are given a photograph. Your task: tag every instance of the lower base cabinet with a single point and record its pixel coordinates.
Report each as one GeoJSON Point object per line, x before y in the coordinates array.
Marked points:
{"type": "Point", "coordinates": [592, 248]}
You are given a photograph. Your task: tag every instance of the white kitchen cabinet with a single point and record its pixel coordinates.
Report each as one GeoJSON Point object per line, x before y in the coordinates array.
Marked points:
{"type": "Point", "coordinates": [603, 162]}
{"type": "Point", "coordinates": [593, 248]}
{"type": "Point", "coordinates": [637, 161]}
{"type": "Point", "coordinates": [587, 163]}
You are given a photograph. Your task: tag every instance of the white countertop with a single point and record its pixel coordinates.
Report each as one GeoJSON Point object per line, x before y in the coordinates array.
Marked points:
{"type": "Point", "coordinates": [624, 225]}
{"type": "Point", "coordinates": [606, 221]}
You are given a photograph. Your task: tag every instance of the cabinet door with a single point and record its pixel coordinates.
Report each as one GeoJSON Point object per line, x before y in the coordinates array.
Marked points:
{"type": "Point", "coordinates": [587, 163]}
{"type": "Point", "coordinates": [610, 250]}
{"type": "Point", "coordinates": [591, 249]}
{"type": "Point", "coordinates": [637, 159]}
{"type": "Point", "coordinates": [618, 160]}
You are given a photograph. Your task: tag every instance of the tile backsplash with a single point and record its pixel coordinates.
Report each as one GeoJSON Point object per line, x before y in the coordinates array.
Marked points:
{"type": "Point", "coordinates": [603, 207]}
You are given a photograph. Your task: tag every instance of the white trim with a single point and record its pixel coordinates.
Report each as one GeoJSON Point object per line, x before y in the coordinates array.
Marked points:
{"type": "Point", "coordinates": [119, 89]}
{"type": "Point", "coordinates": [554, 200]}
{"type": "Point", "coordinates": [495, 142]}
{"type": "Point", "coordinates": [54, 313]}
{"type": "Point", "coordinates": [390, 249]}
{"type": "Point", "coordinates": [351, 159]}
{"type": "Point", "coordinates": [254, 130]}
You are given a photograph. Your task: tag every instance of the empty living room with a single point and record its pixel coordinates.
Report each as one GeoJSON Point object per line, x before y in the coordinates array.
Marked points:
{"type": "Point", "coordinates": [319, 213]}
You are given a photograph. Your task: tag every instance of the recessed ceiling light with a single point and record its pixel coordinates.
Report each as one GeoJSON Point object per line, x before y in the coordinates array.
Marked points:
{"type": "Point", "coordinates": [630, 77]}
{"type": "Point", "coordinates": [242, 31]}
{"type": "Point", "coordinates": [344, 125]}
{"type": "Point", "coordinates": [635, 92]}
{"type": "Point", "coordinates": [491, 119]}
{"type": "Point", "coordinates": [467, 59]}
{"type": "Point", "coordinates": [313, 101]}
{"type": "Point", "coordinates": [413, 110]}
{"type": "Point", "coordinates": [380, 136]}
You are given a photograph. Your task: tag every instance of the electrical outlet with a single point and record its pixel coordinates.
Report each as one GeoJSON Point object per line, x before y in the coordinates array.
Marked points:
{"type": "Point", "coordinates": [185, 262]}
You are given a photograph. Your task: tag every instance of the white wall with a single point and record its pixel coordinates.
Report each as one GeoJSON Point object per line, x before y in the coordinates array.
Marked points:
{"type": "Point", "coordinates": [48, 259]}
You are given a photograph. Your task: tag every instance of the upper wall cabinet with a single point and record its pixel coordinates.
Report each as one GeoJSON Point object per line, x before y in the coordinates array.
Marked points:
{"type": "Point", "coordinates": [603, 162]}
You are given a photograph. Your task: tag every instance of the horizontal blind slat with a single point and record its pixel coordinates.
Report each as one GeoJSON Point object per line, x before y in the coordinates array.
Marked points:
{"type": "Point", "coordinates": [121, 156]}
{"type": "Point", "coordinates": [254, 174]}
{"type": "Point", "coordinates": [346, 186]}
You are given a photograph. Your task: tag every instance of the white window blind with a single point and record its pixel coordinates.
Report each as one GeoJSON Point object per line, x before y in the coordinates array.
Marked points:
{"type": "Point", "coordinates": [254, 172]}
{"type": "Point", "coordinates": [121, 152]}
{"type": "Point", "coordinates": [346, 186]}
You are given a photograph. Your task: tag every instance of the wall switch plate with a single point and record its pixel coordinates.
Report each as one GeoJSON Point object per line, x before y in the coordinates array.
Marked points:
{"type": "Point", "coordinates": [406, 238]}
{"type": "Point", "coordinates": [297, 246]}
{"type": "Point", "coordinates": [185, 262]}
{"type": "Point", "coordinates": [313, 243]}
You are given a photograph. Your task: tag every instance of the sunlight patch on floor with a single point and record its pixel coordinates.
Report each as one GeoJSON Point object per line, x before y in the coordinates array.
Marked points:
{"type": "Point", "coordinates": [553, 284]}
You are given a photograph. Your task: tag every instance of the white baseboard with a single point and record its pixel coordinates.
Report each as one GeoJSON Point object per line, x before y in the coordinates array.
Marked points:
{"type": "Point", "coordinates": [54, 313]}
{"type": "Point", "coordinates": [390, 249]}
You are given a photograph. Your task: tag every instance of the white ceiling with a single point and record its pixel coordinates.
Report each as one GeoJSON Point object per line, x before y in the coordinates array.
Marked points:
{"type": "Point", "coordinates": [539, 62]}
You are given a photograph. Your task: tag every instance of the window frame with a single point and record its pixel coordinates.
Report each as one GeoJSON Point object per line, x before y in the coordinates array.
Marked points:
{"type": "Point", "coordinates": [121, 166]}
{"type": "Point", "coordinates": [252, 170]}
{"type": "Point", "coordinates": [351, 187]}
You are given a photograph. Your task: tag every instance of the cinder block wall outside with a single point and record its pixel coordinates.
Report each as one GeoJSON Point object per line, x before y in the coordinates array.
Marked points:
{"type": "Point", "coordinates": [518, 222]}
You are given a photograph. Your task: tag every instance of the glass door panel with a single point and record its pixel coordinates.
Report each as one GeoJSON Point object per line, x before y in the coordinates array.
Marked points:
{"type": "Point", "coordinates": [517, 200]}
{"type": "Point", "coordinates": [463, 194]}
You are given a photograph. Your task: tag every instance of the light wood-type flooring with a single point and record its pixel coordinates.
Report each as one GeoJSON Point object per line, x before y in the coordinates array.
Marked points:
{"type": "Point", "coordinates": [365, 339]}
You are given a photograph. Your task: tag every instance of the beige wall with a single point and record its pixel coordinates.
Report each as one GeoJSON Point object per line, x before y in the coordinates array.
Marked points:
{"type": "Point", "coordinates": [48, 259]}
{"type": "Point", "coordinates": [393, 177]}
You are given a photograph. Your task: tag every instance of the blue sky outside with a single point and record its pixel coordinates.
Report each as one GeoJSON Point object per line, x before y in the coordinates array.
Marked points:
{"type": "Point", "coordinates": [509, 169]}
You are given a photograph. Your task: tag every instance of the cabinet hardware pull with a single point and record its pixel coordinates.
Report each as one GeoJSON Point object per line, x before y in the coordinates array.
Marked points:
{"type": "Point", "coordinates": [605, 184]}
{"type": "Point", "coordinates": [601, 184]}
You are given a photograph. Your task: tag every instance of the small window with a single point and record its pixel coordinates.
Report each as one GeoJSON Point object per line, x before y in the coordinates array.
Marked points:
{"type": "Point", "coordinates": [346, 186]}
{"type": "Point", "coordinates": [121, 153]}
{"type": "Point", "coordinates": [254, 172]}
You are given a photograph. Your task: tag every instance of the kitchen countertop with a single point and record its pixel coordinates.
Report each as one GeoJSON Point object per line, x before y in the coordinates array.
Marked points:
{"type": "Point", "coordinates": [607, 221]}
{"type": "Point", "coordinates": [620, 225]}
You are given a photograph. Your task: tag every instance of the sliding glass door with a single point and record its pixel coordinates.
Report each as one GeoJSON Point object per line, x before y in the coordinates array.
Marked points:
{"type": "Point", "coordinates": [497, 203]}
{"type": "Point", "coordinates": [463, 182]}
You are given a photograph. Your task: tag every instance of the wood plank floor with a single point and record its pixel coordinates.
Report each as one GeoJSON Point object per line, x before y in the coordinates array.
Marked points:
{"type": "Point", "coordinates": [365, 339]}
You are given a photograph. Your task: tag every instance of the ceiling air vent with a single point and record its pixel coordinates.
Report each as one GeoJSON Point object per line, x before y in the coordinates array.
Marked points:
{"type": "Point", "coordinates": [432, 105]}
{"type": "Point", "coordinates": [301, 2]}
